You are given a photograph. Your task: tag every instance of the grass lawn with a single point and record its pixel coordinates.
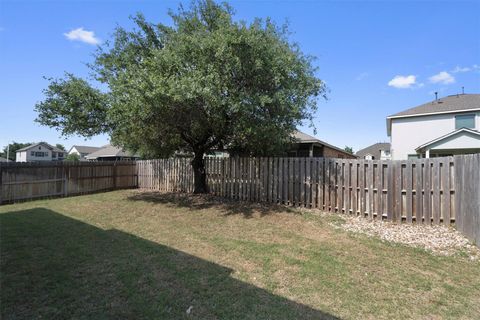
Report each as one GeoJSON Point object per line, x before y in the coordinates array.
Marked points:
{"type": "Point", "coordinates": [125, 254]}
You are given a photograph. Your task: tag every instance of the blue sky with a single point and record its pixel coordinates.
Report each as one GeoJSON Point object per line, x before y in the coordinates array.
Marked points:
{"type": "Point", "coordinates": [377, 57]}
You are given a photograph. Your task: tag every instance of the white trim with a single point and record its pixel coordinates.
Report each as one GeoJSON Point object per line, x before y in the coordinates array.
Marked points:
{"type": "Point", "coordinates": [446, 136]}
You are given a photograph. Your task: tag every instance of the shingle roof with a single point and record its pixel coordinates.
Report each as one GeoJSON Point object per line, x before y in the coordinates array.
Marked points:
{"type": "Point", "coordinates": [86, 149]}
{"type": "Point", "coordinates": [305, 138]}
{"type": "Point", "coordinates": [374, 150]}
{"type": "Point", "coordinates": [447, 104]}
{"type": "Point", "coordinates": [52, 148]}
{"type": "Point", "coordinates": [109, 151]}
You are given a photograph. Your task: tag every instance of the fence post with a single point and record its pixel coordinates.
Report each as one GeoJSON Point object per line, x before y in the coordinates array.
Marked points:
{"type": "Point", "coordinates": [65, 179]}
{"type": "Point", "coordinates": [114, 176]}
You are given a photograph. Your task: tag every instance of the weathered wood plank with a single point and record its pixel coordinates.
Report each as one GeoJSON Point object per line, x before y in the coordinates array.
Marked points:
{"type": "Point", "coordinates": [390, 190]}
{"type": "Point", "coordinates": [409, 191]}
{"type": "Point", "coordinates": [436, 190]}
{"type": "Point", "coordinates": [427, 192]}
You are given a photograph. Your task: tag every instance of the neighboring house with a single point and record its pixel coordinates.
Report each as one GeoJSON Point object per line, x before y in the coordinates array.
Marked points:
{"type": "Point", "coordinates": [304, 146]}
{"type": "Point", "coordinates": [39, 152]}
{"type": "Point", "coordinates": [110, 153]}
{"type": "Point", "coordinates": [377, 151]}
{"type": "Point", "coordinates": [82, 151]}
{"type": "Point", "coordinates": [443, 127]}
{"type": "Point", "coordinates": [308, 146]}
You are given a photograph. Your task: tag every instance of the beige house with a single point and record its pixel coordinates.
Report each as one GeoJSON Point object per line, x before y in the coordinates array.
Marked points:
{"type": "Point", "coordinates": [443, 127]}
{"type": "Point", "coordinates": [39, 152]}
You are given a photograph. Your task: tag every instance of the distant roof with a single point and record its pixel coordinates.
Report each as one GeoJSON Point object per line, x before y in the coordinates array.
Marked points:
{"type": "Point", "coordinates": [448, 104]}
{"type": "Point", "coordinates": [305, 138]}
{"type": "Point", "coordinates": [109, 151]}
{"type": "Point", "coordinates": [3, 159]}
{"type": "Point", "coordinates": [49, 146]}
{"type": "Point", "coordinates": [374, 150]}
{"type": "Point", "coordinates": [85, 149]}
{"type": "Point", "coordinates": [453, 103]}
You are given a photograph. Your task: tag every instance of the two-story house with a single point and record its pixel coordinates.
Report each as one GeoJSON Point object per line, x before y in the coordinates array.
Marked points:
{"type": "Point", "coordinates": [39, 152]}
{"type": "Point", "coordinates": [443, 127]}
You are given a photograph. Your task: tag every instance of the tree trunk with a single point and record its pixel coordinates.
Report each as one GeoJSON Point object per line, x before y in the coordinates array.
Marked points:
{"type": "Point", "coordinates": [199, 174]}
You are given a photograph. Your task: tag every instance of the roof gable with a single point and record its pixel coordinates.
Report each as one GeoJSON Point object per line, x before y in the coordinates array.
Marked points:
{"type": "Point", "coordinates": [85, 149]}
{"type": "Point", "coordinates": [46, 145]}
{"type": "Point", "coordinates": [447, 139]}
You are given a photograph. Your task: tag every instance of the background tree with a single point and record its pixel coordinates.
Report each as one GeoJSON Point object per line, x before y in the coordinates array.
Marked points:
{"type": "Point", "coordinates": [348, 149]}
{"type": "Point", "coordinates": [72, 157]}
{"type": "Point", "coordinates": [60, 146]}
{"type": "Point", "coordinates": [14, 146]}
{"type": "Point", "coordinates": [206, 82]}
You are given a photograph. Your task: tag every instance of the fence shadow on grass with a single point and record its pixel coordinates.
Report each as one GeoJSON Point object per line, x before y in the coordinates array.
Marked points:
{"type": "Point", "coordinates": [199, 202]}
{"type": "Point", "coordinates": [53, 266]}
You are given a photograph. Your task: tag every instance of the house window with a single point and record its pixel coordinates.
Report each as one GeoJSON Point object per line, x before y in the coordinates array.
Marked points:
{"type": "Point", "coordinates": [32, 153]}
{"type": "Point", "coordinates": [465, 121]}
{"type": "Point", "coordinates": [60, 154]}
{"type": "Point", "coordinates": [40, 154]}
{"type": "Point", "coordinates": [413, 156]}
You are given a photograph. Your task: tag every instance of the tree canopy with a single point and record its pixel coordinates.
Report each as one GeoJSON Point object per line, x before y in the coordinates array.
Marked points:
{"type": "Point", "coordinates": [72, 157]}
{"type": "Point", "coordinates": [205, 82]}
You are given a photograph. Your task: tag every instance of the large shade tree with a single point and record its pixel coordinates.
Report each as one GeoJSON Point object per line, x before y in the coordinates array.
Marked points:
{"type": "Point", "coordinates": [202, 83]}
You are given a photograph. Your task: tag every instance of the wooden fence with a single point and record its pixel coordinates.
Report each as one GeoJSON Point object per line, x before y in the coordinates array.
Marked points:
{"type": "Point", "coordinates": [25, 181]}
{"type": "Point", "coordinates": [436, 190]}
{"type": "Point", "coordinates": [467, 186]}
{"type": "Point", "coordinates": [168, 175]}
{"type": "Point", "coordinates": [413, 190]}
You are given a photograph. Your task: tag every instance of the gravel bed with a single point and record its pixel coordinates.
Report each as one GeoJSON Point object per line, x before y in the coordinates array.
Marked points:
{"type": "Point", "coordinates": [440, 240]}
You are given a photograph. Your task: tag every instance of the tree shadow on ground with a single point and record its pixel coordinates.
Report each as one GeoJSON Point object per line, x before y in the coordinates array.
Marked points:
{"type": "Point", "coordinates": [55, 267]}
{"type": "Point", "coordinates": [206, 201]}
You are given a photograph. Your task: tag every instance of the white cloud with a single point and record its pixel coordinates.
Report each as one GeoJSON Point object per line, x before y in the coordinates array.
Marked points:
{"type": "Point", "coordinates": [461, 69]}
{"type": "Point", "coordinates": [403, 82]}
{"type": "Point", "coordinates": [442, 78]}
{"type": "Point", "coordinates": [82, 35]}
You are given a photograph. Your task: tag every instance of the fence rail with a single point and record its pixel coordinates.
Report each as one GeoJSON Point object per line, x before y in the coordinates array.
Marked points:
{"type": "Point", "coordinates": [25, 181]}
{"type": "Point", "coordinates": [419, 190]}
